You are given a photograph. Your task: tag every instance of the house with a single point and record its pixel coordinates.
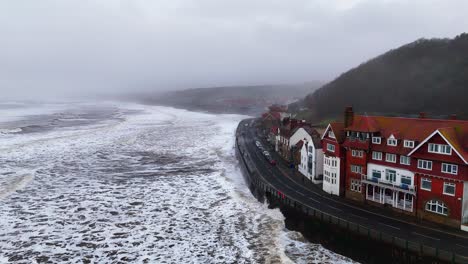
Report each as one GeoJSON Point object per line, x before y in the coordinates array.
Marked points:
{"type": "Point", "coordinates": [334, 159]}
{"type": "Point", "coordinates": [416, 166]}
{"type": "Point", "coordinates": [285, 131]}
{"type": "Point", "coordinates": [311, 163]}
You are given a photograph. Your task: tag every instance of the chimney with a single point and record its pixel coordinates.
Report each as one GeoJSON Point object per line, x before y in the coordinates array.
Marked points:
{"type": "Point", "coordinates": [348, 116]}
{"type": "Point", "coordinates": [422, 115]}
{"type": "Point", "coordinates": [453, 117]}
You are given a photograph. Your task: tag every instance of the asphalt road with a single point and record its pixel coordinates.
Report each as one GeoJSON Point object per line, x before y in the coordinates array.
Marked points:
{"type": "Point", "coordinates": [281, 178]}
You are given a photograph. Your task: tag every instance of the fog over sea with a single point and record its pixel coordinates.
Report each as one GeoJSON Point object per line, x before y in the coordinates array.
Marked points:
{"type": "Point", "coordinates": [114, 182]}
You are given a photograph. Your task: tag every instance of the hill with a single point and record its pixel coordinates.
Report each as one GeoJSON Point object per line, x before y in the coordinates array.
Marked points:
{"type": "Point", "coordinates": [251, 100]}
{"type": "Point", "coordinates": [428, 75]}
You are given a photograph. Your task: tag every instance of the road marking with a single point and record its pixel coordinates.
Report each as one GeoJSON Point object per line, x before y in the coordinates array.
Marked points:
{"type": "Point", "coordinates": [314, 200]}
{"type": "Point", "coordinates": [300, 193]}
{"type": "Point", "coordinates": [390, 226]}
{"type": "Point", "coordinates": [355, 207]}
{"type": "Point", "coordinates": [362, 217]}
{"type": "Point", "coordinates": [425, 236]}
{"type": "Point", "coordinates": [333, 207]}
{"type": "Point", "coordinates": [462, 246]}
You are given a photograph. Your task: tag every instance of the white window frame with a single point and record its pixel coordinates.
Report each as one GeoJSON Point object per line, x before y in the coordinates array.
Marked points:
{"type": "Point", "coordinates": [357, 153]}
{"type": "Point", "coordinates": [387, 157]}
{"type": "Point", "coordinates": [376, 140]}
{"type": "Point", "coordinates": [453, 170]}
{"type": "Point", "coordinates": [356, 169]}
{"type": "Point", "coordinates": [421, 162]}
{"type": "Point", "coordinates": [438, 205]}
{"type": "Point", "coordinates": [437, 148]}
{"type": "Point", "coordinates": [406, 177]}
{"type": "Point", "coordinates": [426, 180]}
{"type": "Point", "coordinates": [392, 142]}
{"type": "Point", "coordinates": [405, 160]}
{"type": "Point", "coordinates": [374, 155]}
{"type": "Point", "coordinates": [331, 134]}
{"type": "Point", "coordinates": [330, 147]}
{"type": "Point", "coordinates": [408, 144]}
{"type": "Point", "coordinates": [356, 185]}
{"type": "Point", "coordinates": [452, 185]}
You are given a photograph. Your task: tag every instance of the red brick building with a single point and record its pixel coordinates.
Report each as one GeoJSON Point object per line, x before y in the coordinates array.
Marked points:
{"type": "Point", "coordinates": [416, 166]}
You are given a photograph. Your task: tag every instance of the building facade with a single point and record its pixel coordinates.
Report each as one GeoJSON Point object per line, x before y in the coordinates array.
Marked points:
{"type": "Point", "coordinates": [333, 159]}
{"type": "Point", "coordinates": [416, 166]}
{"type": "Point", "coordinates": [311, 165]}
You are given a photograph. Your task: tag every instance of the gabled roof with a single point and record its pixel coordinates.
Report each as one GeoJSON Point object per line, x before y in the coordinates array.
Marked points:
{"type": "Point", "coordinates": [338, 130]}
{"type": "Point", "coordinates": [363, 124]}
{"type": "Point", "coordinates": [455, 132]}
{"type": "Point", "coordinates": [449, 134]}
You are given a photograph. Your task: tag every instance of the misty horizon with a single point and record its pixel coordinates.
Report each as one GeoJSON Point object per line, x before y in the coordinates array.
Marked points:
{"type": "Point", "coordinates": [78, 48]}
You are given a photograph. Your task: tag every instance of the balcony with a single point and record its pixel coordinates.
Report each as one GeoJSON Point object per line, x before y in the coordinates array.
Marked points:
{"type": "Point", "coordinates": [411, 189]}
{"type": "Point", "coordinates": [406, 205]}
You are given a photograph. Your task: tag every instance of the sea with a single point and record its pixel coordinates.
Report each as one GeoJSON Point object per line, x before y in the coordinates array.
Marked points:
{"type": "Point", "coordinates": [113, 182]}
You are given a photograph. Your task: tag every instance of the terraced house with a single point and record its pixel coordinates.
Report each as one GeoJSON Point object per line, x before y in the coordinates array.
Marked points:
{"type": "Point", "coordinates": [416, 166]}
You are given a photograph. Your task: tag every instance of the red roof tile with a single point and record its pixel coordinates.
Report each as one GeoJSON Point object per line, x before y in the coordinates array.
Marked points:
{"type": "Point", "coordinates": [417, 129]}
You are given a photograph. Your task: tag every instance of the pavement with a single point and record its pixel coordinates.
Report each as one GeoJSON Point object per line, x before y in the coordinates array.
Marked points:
{"type": "Point", "coordinates": [289, 182]}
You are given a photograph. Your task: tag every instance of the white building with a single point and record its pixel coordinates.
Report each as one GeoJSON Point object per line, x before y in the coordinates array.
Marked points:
{"type": "Point", "coordinates": [390, 185]}
{"type": "Point", "coordinates": [333, 160]}
{"type": "Point", "coordinates": [331, 175]}
{"type": "Point", "coordinates": [311, 165]}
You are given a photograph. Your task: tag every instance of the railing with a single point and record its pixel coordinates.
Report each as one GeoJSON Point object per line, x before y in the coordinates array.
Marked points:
{"type": "Point", "coordinates": [384, 183]}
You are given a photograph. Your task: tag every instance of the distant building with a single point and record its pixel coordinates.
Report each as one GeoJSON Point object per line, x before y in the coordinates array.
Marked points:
{"type": "Point", "coordinates": [285, 131]}
{"type": "Point", "coordinates": [311, 163]}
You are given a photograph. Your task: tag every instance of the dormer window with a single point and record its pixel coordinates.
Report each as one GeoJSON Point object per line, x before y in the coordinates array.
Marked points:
{"type": "Point", "coordinates": [391, 142]}
{"type": "Point", "coordinates": [376, 140]}
{"type": "Point", "coordinates": [408, 143]}
{"type": "Point", "coordinates": [331, 134]}
{"type": "Point", "coordinates": [440, 149]}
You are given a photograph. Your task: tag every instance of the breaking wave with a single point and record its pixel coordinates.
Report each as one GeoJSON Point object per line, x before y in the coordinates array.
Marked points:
{"type": "Point", "coordinates": [138, 184]}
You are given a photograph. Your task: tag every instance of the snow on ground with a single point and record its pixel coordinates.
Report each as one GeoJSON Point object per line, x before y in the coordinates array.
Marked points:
{"type": "Point", "coordinates": [145, 185]}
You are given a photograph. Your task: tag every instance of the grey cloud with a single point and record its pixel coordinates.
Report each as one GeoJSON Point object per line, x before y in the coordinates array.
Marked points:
{"type": "Point", "coordinates": [76, 46]}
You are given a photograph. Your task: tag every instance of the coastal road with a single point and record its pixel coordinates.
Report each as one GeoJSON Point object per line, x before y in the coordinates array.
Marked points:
{"type": "Point", "coordinates": [282, 179]}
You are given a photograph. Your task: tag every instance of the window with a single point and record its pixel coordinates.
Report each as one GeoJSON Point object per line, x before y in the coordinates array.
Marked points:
{"type": "Point", "coordinates": [333, 178]}
{"type": "Point", "coordinates": [326, 176]}
{"type": "Point", "coordinates": [331, 147]}
{"type": "Point", "coordinates": [405, 160]}
{"type": "Point", "coordinates": [334, 163]}
{"type": "Point", "coordinates": [390, 175]}
{"type": "Point", "coordinates": [376, 174]}
{"type": "Point", "coordinates": [406, 180]}
{"type": "Point", "coordinates": [376, 155]}
{"type": "Point", "coordinates": [426, 184]}
{"type": "Point", "coordinates": [449, 168]}
{"type": "Point", "coordinates": [376, 140]}
{"type": "Point", "coordinates": [391, 142]}
{"type": "Point", "coordinates": [449, 188]}
{"type": "Point", "coordinates": [357, 153]}
{"type": "Point", "coordinates": [356, 185]}
{"type": "Point", "coordinates": [440, 149]}
{"type": "Point", "coordinates": [390, 157]}
{"type": "Point", "coordinates": [425, 164]}
{"type": "Point", "coordinates": [437, 207]}
{"type": "Point", "coordinates": [331, 134]}
{"type": "Point", "coordinates": [311, 149]}
{"type": "Point", "coordinates": [356, 169]}
{"type": "Point", "coordinates": [408, 144]}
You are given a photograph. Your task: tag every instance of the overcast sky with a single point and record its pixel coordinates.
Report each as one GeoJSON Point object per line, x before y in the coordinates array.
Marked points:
{"type": "Point", "coordinates": [66, 47]}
